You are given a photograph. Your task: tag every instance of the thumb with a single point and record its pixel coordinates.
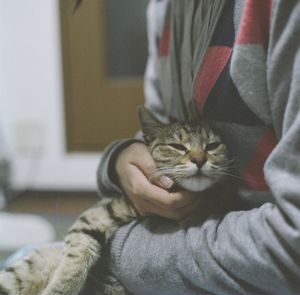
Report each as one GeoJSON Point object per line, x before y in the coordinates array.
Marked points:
{"type": "Point", "coordinates": [147, 165]}
{"type": "Point", "coordinates": [165, 182]}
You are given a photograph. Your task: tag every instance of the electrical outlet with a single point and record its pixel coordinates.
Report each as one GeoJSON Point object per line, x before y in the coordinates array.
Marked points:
{"type": "Point", "coordinates": [29, 137]}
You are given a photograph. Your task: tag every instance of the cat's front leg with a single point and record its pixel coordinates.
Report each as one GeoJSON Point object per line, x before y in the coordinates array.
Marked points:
{"type": "Point", "coordinates": [30, 275]}
{"type": "Point", "coordinates": [80, 253]}
{"type": "Point", "coordinates": [83, 246]}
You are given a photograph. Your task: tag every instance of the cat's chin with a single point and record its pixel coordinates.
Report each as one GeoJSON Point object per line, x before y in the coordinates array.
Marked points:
{"type": "Point", "coordinates": [196, 183]}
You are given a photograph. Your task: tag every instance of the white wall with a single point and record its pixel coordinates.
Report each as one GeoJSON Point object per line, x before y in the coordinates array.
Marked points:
{"type": "Point", "coordinates": [31, 99]}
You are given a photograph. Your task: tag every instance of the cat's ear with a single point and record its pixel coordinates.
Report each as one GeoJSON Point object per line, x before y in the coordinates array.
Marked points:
{"type": "Point", "coordinates": [148, 123]}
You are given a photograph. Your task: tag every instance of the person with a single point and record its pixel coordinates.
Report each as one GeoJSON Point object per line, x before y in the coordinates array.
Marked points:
{"type": "Point", "coordinates": [237, 63]}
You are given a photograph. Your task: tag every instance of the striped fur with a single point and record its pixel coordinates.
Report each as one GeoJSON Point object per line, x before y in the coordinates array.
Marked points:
{"type": "Point", "coordinates": [53, 271]}
{"type": "Point", "coordinates": [193, 155]}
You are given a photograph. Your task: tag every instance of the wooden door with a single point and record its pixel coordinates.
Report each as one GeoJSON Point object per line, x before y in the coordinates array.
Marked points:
{"type": "Point", "coordinates": [104, 55]}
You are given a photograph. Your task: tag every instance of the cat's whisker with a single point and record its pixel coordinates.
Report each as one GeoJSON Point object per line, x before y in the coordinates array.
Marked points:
{"type": "Point", "coordinates": [229, 174]}
{"type": "Point", "coordinates": [168, 171]}
{"type": "Point", "coordinates": [178, 167]}
{"type": "Point", "coordinates": [222, 168]}
{"type": "Point", "coordinates": [223, 165]}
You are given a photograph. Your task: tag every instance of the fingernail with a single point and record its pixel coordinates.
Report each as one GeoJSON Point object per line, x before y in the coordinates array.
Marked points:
{"type": "Point", "coordinates": [166, 181]}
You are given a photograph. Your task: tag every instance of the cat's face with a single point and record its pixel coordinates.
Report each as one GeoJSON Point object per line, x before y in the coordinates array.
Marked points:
{"type": "Point", "coordinates": [193, 156]}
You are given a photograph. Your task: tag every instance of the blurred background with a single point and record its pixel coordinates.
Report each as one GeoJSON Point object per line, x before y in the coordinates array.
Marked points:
{"type": "Point", "coordinates": [69, 85]}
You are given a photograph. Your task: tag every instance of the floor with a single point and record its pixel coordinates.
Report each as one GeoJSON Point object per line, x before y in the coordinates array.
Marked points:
{"type": "Point", "coordinates": [58, 209]}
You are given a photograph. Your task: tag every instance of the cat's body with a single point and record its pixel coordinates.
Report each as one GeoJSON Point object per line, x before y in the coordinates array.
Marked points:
{"type": "Point", "coordinates": [192, 155]}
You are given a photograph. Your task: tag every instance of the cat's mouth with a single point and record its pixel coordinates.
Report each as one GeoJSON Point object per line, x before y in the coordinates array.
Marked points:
{"type": "Point", "coordinates": [197, 182]}
{"type": "Point", "coordinates": [199, 173]}
{"type": "Point", "coordinates": [201, 177]}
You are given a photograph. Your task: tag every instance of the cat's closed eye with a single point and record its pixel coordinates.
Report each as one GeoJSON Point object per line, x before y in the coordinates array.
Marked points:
{"type": "Point", "coordinates": [178, 146]}
{"type": "Point", "coordinates": [212, 146]}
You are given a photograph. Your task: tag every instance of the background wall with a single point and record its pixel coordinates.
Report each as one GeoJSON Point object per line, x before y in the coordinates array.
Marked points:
{"type": "Point", "coordinates": [31, 100]}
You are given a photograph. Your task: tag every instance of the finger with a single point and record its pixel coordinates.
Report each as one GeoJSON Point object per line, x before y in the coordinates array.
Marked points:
{"type": "Point", "coordinates": [193, 209]}
{"type": "Point", "coordinates": [148, 209]}
{"type": "Point", "coordinates": [150, 199]}
{"type": "Point", "coordinates": [142, 159]}
{"type": "Point", "coordinates": [167, 200]}
{"type": "Point", "coordinates": [190, 210]}
{"type": "Point", "coordinates": [138, 186]}
{"type": "Point", "coordinates": [164, 182]}
{"type": "Point", "coordinates": [139, 189]}
{"type": "Point", "coordinates": [147, 168]}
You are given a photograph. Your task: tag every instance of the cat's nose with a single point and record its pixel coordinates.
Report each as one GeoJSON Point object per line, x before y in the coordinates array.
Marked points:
{"type": "Point", "coordinates": [199, 162]}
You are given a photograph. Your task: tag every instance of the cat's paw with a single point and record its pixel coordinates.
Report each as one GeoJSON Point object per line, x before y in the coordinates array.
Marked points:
{"type": "Point", "coordinates": [8, 283]}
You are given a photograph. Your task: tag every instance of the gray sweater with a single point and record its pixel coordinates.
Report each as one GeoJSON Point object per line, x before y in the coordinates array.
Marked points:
{"type": "Point", "coordinates": [244, 252]}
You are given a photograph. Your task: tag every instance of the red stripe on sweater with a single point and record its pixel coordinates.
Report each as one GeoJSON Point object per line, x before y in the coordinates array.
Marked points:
{"type": "Point", "coordinates": [164, 44]}
{"type": "Point", "coordinates": [213, 64]}
{"type": "Point", "coordinates": [253, 174]}
{"type": "Point", "coordinates": [255, 23]}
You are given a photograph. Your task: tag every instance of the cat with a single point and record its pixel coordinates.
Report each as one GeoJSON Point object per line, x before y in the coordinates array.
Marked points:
{"type": "Point", "coordinates": [192, 155]}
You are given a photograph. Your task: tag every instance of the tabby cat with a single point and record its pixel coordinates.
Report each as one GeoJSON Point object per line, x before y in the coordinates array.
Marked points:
{"type": "Point", "coordinates": [193, 155]}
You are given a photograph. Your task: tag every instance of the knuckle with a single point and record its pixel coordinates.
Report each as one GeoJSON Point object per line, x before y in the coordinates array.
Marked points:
{"type": "Point", "coordinates": [135, 188]}
{"type": "Point", "coordinates": [175, 216]}
{"type": "Point", "coordinates": [188, 195]}
{"type": "Point", "coordinates": [141, 210]}
{"type": "Point", "coordinates": [179, 216]}
{"type": "Point", "coordinates": [136, 148]}
{"type": "Point", "coordinates": [149, 167]}
{"type": "Point", "coordinates": [173, 204]}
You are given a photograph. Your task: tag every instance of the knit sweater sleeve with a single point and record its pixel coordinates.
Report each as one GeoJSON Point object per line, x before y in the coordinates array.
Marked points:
{"type": "Point", "coordinates": [106, 176]}
{"type": "Point", "coordinates": [246, 252]}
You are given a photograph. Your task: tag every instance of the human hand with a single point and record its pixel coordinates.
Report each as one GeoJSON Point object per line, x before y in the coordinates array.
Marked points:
{"type": "Point", "coordinates": [134, 166]}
